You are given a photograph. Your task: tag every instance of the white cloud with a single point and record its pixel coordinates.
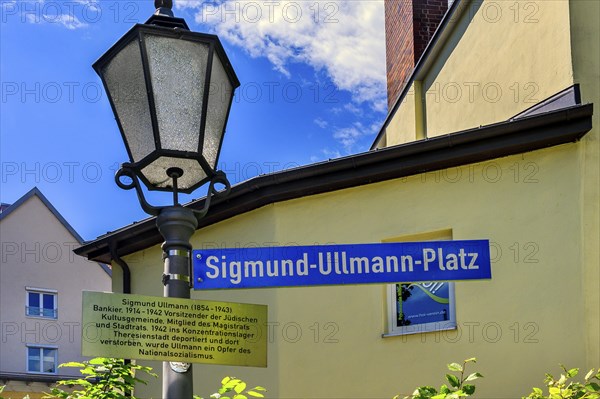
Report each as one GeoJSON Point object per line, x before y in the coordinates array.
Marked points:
{"type": "Point", "coordinates": [183, 4]}
{"type": "Point", "coordinates": [321, 123]}
{"type": "Point", "coordinates": [45, 12]}
{"type": "Point", "coordinates": [352, 108]}
{"type": "Point", "coordinates": [326, 154]}
{"type": "Point", "coordinates": [71, 22]}
{"type": "Point", "coordinates": [345, 39]}
{"type": "Point", "coordinates": [348, 136]}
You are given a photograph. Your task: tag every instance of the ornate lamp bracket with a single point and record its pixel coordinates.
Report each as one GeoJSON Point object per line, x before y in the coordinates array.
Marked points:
{"type": "Point", "coordinates": [127, 170]}
{"type": "Point", "coordinates": [218, 178]}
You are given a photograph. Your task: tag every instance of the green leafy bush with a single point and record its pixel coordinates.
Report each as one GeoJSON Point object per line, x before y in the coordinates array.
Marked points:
{"type": "Point", "coordinates": [458, 384]}
{"type": "Point", "coordinates": [104, 378]}
{"type": "Point", "coordinates": [566, 388]}
{"type": "Point", "coordinates": [109, 378]}
{"type": "Point", "coordinates": [562, 388]}
{"type": "Point", "coordinates": [238, 388]}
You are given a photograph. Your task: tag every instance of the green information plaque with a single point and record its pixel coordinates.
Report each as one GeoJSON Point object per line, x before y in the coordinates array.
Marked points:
{"type": "Point", "coordinates": [173, 329]}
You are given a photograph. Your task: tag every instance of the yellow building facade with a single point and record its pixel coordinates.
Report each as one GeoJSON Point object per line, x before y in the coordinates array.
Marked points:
{"type": "Point", "coordinates": [457, 158]}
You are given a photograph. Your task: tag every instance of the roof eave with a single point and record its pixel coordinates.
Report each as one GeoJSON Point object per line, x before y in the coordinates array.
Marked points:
{"type": "Point", "coordinates": [455, 149]}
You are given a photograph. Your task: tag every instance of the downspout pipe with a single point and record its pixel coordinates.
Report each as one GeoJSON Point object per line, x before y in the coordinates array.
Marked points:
{"type": "Point", "coordinates": [126, 281]}
{"type": "Point", "coordinates": [126, 271]}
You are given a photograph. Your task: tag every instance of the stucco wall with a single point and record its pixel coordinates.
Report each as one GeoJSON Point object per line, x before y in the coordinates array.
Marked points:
{"type": "Point", "coordinates": [37, 252]}
{"type": "Point", "coordinates": [502, 58]}
{"type": "Point", "coordinates": [526, 205]}
{"type": "Point", "coordinates": [585, 30]}
{"type": "Point", "coordinates": [403, 128]}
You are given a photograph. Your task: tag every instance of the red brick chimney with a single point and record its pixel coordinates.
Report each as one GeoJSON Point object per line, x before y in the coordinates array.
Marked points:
{"type": "Point", "coordinates": [409, 25]}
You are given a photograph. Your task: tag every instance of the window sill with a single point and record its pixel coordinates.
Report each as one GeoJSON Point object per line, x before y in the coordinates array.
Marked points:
{"type": "Point", "coordinates": [423, 331]}
{"type": "Point", "coordinates": [30, 316]}
{"type": "Point", "coordinates": [40, 373]}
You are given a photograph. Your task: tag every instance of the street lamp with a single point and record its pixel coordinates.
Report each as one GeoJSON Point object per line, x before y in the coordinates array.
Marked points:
{"type": "Point", "coordinates": [171, 91]}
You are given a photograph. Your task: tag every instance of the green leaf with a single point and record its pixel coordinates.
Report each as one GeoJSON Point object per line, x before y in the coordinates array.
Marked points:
{"type": "Point", "coordinates": [469, 389]}
{"type": "Point", "coordinates": [538, 391]}
{"type": "Point", "coordinates": [573, 372]}
{"type": "Point", "coordinates": [453, 380]}
{"type": "Point", "coordinates": [595, 387]}
{"type": "Point", "coordinates": [255, 394]}
{"type": "Point", "coordinates": [129, 379]}
{"type": "Point", "coordinates": [562, 379]}
{"type": "Point", "coordinates": [554, 391]}
{"type": "Point", "coordinates": [71, 364]}
{"type": "Point", "coordinates": [473, 359]}
{"type": "Point", "coordinates": [426, 391]}
{"type": "Point", "coordinates": [589, 374]}
{"type": "Point", "coordinates": [88, 371]}
{"type": "Point", "coordinates": [455, 367]}
{"type": "Point", "coordinates": [473, 377]}
{"type": "Point", "coordinates": [232, 383]}
{"type": "Point", "coordinates": [240, 387]}
{"type": "Point", "coordinates": [439, 396]}
{"type": "Point", "coordinates": [225, 380]}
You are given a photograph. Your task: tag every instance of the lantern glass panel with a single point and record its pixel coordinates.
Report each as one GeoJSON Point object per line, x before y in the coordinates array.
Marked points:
{"type": "Point", "coordinates": [124, 77]}
{"type": "Point", "coordinates": [156, 172]}
{"type": "Point", "coordinates": [178, 71]}
{"type": "Point", "coordinates": [219, 99]}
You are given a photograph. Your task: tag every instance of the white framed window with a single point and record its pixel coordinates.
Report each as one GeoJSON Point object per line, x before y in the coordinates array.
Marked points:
{"type": "Point", "coordinates": [42, 359]}
{"type": "Point", "coordinates": [415, 308]}
{"type": "Point", "coordinates": [421, 307]}
{"type": "Point", "coordinates": [41, 303]}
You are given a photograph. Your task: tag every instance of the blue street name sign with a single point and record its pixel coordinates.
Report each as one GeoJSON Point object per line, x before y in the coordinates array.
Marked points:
{"type": "Point", "coordinates": [341, 264]}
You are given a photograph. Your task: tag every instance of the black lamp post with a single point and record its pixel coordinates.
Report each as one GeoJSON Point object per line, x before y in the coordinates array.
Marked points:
{"type": "Point", "coordinates": [171, 91]}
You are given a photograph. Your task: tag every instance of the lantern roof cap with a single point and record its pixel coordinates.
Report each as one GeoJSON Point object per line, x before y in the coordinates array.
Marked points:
{"type": "Point", "coordinates": [164, 7]}
{"type": "Point", "coordinates": [166, 21]}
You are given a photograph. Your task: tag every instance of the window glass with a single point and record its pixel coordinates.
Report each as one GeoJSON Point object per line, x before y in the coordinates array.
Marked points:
{"type": "Point", "coordinates": [419, 304]}
{"type": "Point", "coordinates": [421, 307]}
{"type": "Point", "coordinates": [33, 359]}
{"type": "Point", "coordinates": [34, 301]}
{"type": "Point", "coordinates": [48, 308]}
{"type": "Point", "coordinates": [41, 304]}
{"type": "Point", "coordinates": [49, 360]}
{"type": "Point", "coordinates": [41, 359]}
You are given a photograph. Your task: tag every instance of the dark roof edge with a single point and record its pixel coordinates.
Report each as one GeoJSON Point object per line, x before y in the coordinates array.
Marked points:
{"type": "Point", "coordinates": [455, 149]}
{"type": "Point", "coordinates": [45, 378]}
{"type": "Point", "coordinates": [36, 192]}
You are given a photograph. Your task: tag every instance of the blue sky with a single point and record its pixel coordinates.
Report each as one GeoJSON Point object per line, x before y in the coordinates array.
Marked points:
{"type": "Point", "coordinates": [312, 88]}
